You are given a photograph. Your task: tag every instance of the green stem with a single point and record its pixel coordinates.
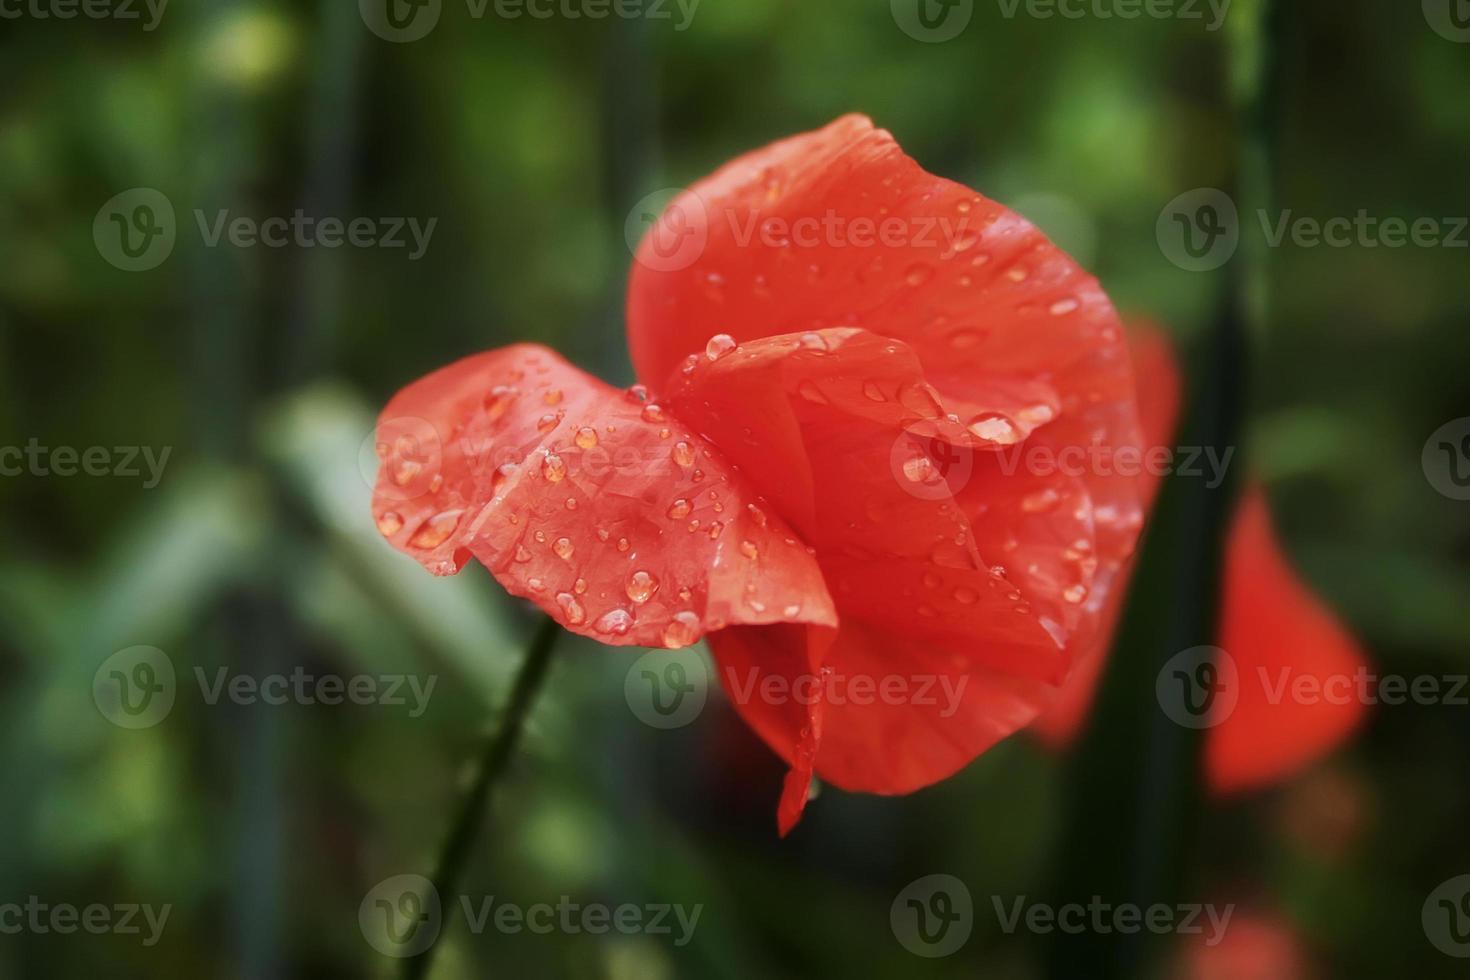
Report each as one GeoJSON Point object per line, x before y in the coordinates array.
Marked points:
{"type": "Point", "coordinates": [467, 823]}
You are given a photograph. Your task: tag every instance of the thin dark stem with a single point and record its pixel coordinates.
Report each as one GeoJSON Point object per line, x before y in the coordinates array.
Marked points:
{"type": "Point", "coordinates": [470, 819]}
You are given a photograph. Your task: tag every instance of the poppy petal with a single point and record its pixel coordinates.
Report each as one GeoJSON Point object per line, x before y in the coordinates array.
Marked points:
{"type": "Point", "coordinates": [602, 509]}
{"type": "Point", "coordinates": [938, 656]}
{"type": "Point", "coordinates": [1277, 633]}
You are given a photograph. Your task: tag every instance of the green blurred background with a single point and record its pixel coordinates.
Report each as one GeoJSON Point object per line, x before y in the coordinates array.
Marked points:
{"type": "Point", "coordinates": [531, 140]}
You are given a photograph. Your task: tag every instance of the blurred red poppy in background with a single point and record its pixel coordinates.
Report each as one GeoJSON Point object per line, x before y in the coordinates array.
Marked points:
{"type": "Point", "coordinates": [851, 367]}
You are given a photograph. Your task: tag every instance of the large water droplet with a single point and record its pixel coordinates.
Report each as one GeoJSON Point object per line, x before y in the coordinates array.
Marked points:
{"type": "Point", "coordinates": [586, 437]}
{"type": "Point", "coordinates": [653, 412]}
{"type": "Point", "coordinates": [571, 608]}
{"type": "Point", "coordinates": [680, 508]}
{"type": "Point", "coordinates": [641, 586]}
{"type": "Point", "coordinates": [683, 453]}
{"type": "Point", "coordinates": [390, 523]}
{"type": "Point", "coordinates": [554, 468]}
{"type": "Point", "coordinates": [436, 530]}
{"type": "Point", "coordinates": [719, 345]}
{"type": "Point", "coordinates": [682, 630]}
{"type": "Point", "coordinates": [616, 622]}
{"type": "Point", "coordinates": [563, 548]}
{"type": "Point", "coordinates": [995, 427]}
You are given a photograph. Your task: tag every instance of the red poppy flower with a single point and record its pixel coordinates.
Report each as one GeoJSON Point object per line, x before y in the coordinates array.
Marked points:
{"type": "Point", "coordinates": [843, 354]}
{"type": "Point", "coordinates": [1277, 634]}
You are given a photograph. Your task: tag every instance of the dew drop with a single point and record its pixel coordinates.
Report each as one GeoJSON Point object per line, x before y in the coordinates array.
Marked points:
{"type": "Point", "coordinates": [499, 400]}
{"type": "Point", "coordinates": [965, 339]}
{"type": "Point", "coordinates": [1063, 306]}
{"type": "Point", "coordinates": [616, 622]}
{"type": "Point", "coordinates": [748, 549]}
{"type": "Point", "coordinates": [586, 437]}
{"type": "Point", "coordinates": [580, 586]}
{"type": "Point", "coordinates": [571, 608]}
{"type": "Point", "coordinates": [554, 468]}
{"type": "Point", "coordinates": [502, 473]}
{"type": "Point", "coordinates": [919, 469]}
{"type": "Point", "coordinates": [548, 421]}
{"type": "Point", "coordinates": [390, 523]}
{"type": "Point", "coordinates": [966, 597]}
{"type": "Point", "coordinates": [1075, 593]}
{"type": "Point", "coordinates": [682, 630]}
{"type": "Point", "coordinates": [680, 508]}
{"type": "Point", "coordinates": [653, 412]}
{"type": "Point", "coordinates": [715, 529]}
{"type": "Point", "coordinates": [436, 530]}
{"type": "Point", "coordinates": [995, 427]}
{"type": "Point", "coordinates": [552, 396]}
{"type": "Point", "coordinates": [812, 341]}
{"type": "Point", "coordinates": [756, 514]}
{"type": "Point", "coordinates": [641, 586]}
{"type": "Point", "coordinates": [637, 394]}
{"type": "Point", "coordinates": [623, 544]}
{"type": "Point", "coordinates": [920, 399]}
{"type": "Point", "coordinates": [563, 548]}
{"type": "Point", "coordinates": [683, 453]}
{"type": "Point", "coordinates": [719, 345]}
{"type": "Point", "coordinates": [807, 389]}
{"type": "Point", "coordinates": [918, 274]}
{"type": "Point", "coordinates": [873, 392]}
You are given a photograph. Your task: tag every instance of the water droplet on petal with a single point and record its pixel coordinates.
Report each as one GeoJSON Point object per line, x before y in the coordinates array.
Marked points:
{"type": "Point", "coordinates": [499, 400]}
{"type": "Point", "coordinates": [1063, 306]}
{"type": "Point", "coordinates": [641, 586]}
{"type": "Point", "coordinates": [715, 529]}
{"type": "Point", "coordinates": [653, 412]}
{"type": "Point", "coordinates": [966, 597]}
{"type": "Point", "coordinates": [552, 396]}
{"type": "Point", "coordinates": [748, 549]}
{"type": "Point", "coordinates": [580, 586]}
{"type": "Point", "coordinates": [683, 453]}
{"type": "Point", "coordinates": [965, 339]}
{"type": "Point", "coordinates": [918, 274]}
{"type": "Point", "coordinates": [571, 608]}
{"type": "Point", "coordinates": [682, 630]}
{"type": "Point", "coordinates": [554, 468]}
{"type": "Point", "coordinates": [389, 523]}
{"type": "Point", "coordinates": [807, 389]}
{"type": "Point", "coordinates": [813, 341]}
{"type": "Point", "coordinates": [563, 548]}
{"type": "Point", "coordinates": [586, 437]}
{"type": "Point", "coordinates": [719, 345]}
{"type": "Point", "coordinates": [680, 508]}
{"type": "Point", "coordinates": [623, 544]}
{"type": "Point", "coordinates": [756, 514]}
{"type": "Point", "coordinates": [918, 469]}
{"type": "Point", "coordinates": [548, 421]}
{"type": "Point", "coordinates": [616, 622]}
{"type": "Point", "coordinates": [637, 394]}
{"type": "Point", "coordinates": [873, 392]}
{"type": "Point", "coordinates": [920, 399]}
{"type": "Point", "coordinates": [995, 427]}
{"type": "Point", "coordinates": [502, 473]}
{"type": "Point", "coordinates": [436, 530]}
